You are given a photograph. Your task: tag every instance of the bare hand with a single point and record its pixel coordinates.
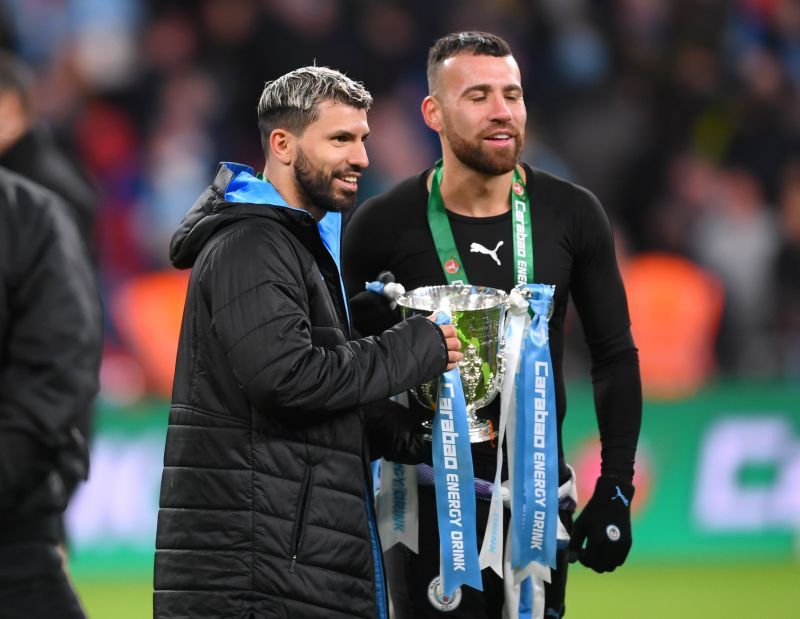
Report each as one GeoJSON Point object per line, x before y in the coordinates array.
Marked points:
{"type": "Point", "coordinates": [452, 342]}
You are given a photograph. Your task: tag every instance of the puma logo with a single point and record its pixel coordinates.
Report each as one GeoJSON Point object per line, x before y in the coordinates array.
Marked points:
{"type": "Point", "coordinates": [620, 496]}
{"type": "Point", "coordinates": [477, 248]}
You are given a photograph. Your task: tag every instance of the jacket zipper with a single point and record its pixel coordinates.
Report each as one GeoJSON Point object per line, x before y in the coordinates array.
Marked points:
{"type": "Point", "coordinates": [300, 516]}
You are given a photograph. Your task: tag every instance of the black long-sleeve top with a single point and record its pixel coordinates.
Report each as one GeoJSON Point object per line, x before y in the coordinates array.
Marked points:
{"type": "Point", "coordinates": [573, 250]}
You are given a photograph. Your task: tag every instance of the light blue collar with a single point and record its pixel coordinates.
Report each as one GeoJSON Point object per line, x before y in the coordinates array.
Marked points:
{"type": "Point", "coordinates": [246, 188]}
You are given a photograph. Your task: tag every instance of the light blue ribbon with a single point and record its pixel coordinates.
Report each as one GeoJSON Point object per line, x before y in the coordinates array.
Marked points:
{"type": "Point", "coordinates": [534, 530]}
{"type": "Point", "coordinates": [525, 610]}
{"type": "Point", "coordinates": [376, 287]}
{"type": "Point", "coordinates": [455, 487]}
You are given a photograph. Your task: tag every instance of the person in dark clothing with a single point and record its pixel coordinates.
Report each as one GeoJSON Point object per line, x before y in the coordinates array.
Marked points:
{"type": "Point", "coordinates": [266, 504]}
{"type": "Point", "coordinates": [28, 148]}
{"type": "Point", "coordinates": [476, 106]}
{"type": "Point", "coordinates": [50, 347]}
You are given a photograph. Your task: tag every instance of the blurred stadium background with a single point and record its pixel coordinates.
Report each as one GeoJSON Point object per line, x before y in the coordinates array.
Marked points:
{"type": "Point", "coordinates": [682, 116]}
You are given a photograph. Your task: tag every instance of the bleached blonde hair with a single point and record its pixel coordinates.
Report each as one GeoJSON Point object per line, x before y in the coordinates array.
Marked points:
{"type": "Point", "coordinates": [292, 101]}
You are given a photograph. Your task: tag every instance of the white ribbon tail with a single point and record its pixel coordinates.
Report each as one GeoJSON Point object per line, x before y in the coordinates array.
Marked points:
{"type": "Point", "coordinates": [491, 554]}
{"type": "Point", "coordinates": [397, 506]}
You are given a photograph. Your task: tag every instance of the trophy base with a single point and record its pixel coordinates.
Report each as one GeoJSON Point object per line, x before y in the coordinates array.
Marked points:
{"type": "Point", "coordinates": [480, 431]}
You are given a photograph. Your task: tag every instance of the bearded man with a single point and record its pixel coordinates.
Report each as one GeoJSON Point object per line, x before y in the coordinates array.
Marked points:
{"type": "Point", "coordinates": [266, 503]}
{"type": "Point", "coordinates": [460, 221]}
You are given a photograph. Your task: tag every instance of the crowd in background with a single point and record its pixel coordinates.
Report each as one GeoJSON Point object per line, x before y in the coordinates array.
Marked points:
{"type": "Point", "coordinates": [682, 116]}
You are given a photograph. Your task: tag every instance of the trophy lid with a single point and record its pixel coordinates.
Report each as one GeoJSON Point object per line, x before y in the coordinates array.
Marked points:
{"type": "Point", "coordinates": [453, 298]}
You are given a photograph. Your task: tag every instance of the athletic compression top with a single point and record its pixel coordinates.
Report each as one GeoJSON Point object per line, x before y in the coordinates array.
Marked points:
{"type": "Point", "coordinates": [573, 250]}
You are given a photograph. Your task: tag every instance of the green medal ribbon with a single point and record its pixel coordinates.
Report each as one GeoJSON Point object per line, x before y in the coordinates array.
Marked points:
{"type": "Point", "coordinates": [522, 233]}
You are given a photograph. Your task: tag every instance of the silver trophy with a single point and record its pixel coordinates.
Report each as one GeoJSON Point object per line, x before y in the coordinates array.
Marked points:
{"type": "Point", "coordinates": [478, 315]}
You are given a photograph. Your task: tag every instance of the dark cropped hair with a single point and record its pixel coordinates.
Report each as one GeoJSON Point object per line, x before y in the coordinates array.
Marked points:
{"type": "Point", "coordinates": [471, 42]}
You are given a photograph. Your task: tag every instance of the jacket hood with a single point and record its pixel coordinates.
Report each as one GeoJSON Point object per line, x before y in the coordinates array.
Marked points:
{"type": "Point", "coordinates": [235, 194]}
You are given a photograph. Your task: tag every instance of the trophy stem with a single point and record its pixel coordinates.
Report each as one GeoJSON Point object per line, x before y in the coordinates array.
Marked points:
{"type": "Point", "coordinates": [478, 315]}
{"type": "Point", "coordinates": [480, 430]}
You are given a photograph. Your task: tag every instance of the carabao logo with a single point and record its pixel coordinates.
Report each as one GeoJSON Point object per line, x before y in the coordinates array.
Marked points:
{"type": "Point", "coordinates": [749, 475]}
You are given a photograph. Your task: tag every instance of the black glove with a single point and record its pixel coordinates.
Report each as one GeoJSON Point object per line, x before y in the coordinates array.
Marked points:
{"type": "Point", "coordinates": [605, 525]}
{"type": "Point", "coordinates": [371, 312]}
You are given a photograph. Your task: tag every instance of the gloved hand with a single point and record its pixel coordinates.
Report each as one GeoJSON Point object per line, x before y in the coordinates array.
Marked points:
{"type": "Point", "coordinates": [605, 526]}
{"type": "Point", "coordinates": [373, 310]}
{"type": "Point", "coordinates": [387, 287]}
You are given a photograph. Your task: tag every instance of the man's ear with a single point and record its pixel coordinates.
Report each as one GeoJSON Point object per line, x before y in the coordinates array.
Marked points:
{"type": "Point", "coordinates": [282, 145]}
{"type": "Point", "coordinates": [14, 120]}
{"type": "Point", "coordinates": [432, 113]}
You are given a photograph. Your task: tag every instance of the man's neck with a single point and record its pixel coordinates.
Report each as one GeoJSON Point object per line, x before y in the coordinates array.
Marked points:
{"type": "Point", "coordinates": [471, 193]}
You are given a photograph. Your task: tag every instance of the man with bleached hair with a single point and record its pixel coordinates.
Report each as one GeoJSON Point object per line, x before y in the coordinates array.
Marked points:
{"type": "Point", "coordinates": [266, 500]}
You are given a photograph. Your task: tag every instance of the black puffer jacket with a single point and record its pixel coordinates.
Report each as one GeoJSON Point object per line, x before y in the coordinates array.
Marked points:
{"type": "Point", "coordinates": [51, 337]}
{"type": "Point", "coordinates": [263, 509]}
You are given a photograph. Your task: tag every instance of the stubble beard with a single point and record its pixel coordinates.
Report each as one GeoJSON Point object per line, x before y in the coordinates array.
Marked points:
{"type": "Point", "coordinates": [316, 187]}
{"type": "Point", "coordinates": [475, 156]}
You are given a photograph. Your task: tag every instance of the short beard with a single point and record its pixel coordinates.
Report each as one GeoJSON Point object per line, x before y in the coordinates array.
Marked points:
{"type": "Point", "coordinates": [317, 189]}
{"type": "Point", "coordinates": [489, 163]}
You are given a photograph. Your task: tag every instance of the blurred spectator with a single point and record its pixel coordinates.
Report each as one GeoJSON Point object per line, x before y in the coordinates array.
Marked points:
{"type": "Point", "coordinates": [692, 184]}
{"type": "Point", "coordinates": [26, 147]}
{"type": "Point", "coordinates": [177, 157]}
{"type": "Point", "coordinates": [736, 237]}
{"type": "Point", "coordinates": [675, 311]}
{"type": "Point", "coordinates": [50, 342]}
{"type": "Point", "coordinates": [763, 141]}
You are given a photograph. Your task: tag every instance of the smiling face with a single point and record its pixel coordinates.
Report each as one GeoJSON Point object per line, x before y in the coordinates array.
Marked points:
{"type": "Point", "coordinates": [329, 157]}
{"type": "Point", "coordinates": [477, 108]}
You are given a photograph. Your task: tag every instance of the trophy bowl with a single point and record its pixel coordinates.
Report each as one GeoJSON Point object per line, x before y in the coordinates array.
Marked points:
{"type": "Point", "coordinates": [478, 315]}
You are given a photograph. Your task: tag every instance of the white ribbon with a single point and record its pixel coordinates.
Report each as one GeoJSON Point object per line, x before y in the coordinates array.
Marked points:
{"type": "Point", "coordinates": [397, 503]}
{"type": "Point", "coordinates": [512, 581]}
{"type": "Point", "coordinates": [517, 323]}
{"type": "Point", "coordinates": [397, 506]}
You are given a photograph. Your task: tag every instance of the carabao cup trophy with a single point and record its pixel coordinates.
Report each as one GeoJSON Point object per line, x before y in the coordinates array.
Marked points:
{"type": "Point", "coordinates": [477, 313]}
